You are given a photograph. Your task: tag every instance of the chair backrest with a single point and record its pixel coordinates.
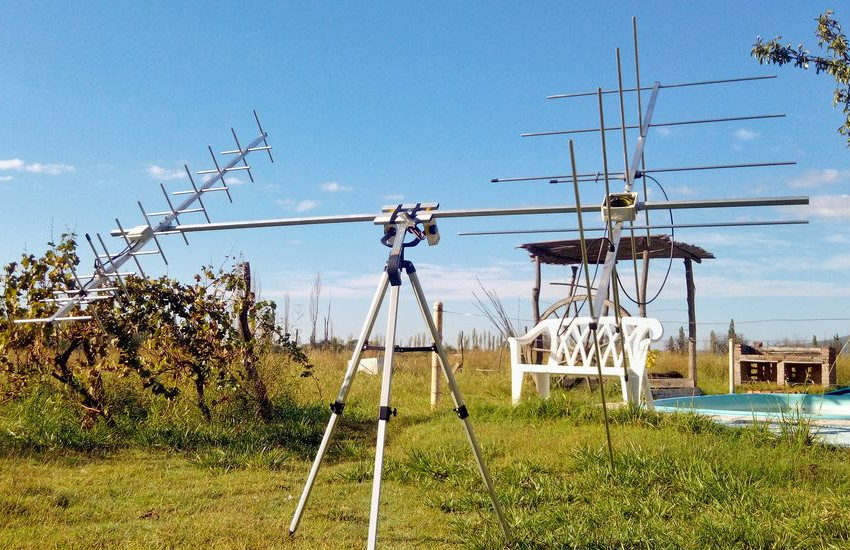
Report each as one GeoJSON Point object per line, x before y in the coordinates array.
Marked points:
{"type": "Point", "coordinates": [571, 340]}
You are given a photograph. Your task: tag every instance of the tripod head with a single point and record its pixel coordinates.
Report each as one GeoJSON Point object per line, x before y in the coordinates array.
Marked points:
{"type": "Point", "coordinates": [402, 220]}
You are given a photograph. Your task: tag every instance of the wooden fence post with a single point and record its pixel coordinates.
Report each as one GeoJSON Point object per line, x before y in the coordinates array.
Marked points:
{"type": "Point", "coordinates": [435, 359]}
{"type": "Point", "coordinates": [731, 365]}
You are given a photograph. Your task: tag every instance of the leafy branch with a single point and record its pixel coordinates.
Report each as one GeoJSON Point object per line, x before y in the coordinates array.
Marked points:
{"type": "Point", "coordinates": [836, 63]}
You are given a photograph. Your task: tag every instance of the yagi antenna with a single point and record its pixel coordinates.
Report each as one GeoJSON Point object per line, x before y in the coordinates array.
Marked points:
{"type": "Point", "coordinates": [100, 285]}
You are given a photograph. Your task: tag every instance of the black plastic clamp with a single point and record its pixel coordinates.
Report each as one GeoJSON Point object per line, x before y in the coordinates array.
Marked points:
{"type": "Point", "coordinates": [593, 325]}
{"type": "Point", "coordinates": [461, 412]}
{"type": "Point", "coordinates": [384, 413]}
{"type": "Point", "coordinates": [337, 407]}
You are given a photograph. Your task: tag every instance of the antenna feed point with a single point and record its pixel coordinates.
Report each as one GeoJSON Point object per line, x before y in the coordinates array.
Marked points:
{"type": "Point", "coordinates": [139, 233]}
{"type": "Point", "coordinates": [620, 207]}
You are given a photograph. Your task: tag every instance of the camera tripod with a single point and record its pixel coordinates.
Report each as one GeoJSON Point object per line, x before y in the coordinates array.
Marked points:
{"type": "Point", "coordinates": [401, 222]}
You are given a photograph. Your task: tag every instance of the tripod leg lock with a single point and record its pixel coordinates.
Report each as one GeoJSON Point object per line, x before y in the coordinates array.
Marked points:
{"type": "Point", "coordinates": [384, 413]}
{"type": "Point", "coordinates": [461, 412]}
{"type": "Point", "coordinates": [337, 407]}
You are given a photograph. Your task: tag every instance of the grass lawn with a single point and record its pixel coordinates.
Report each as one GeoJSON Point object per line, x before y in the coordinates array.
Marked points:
{"type": "Point", "coordinates": [162, 478]}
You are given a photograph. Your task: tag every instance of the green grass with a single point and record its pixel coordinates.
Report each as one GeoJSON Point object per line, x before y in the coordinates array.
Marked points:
{"type": "Point", "coordinates": [163, 478]}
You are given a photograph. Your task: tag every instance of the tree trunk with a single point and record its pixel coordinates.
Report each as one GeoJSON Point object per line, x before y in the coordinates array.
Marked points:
{"type": "Point", "coordinates": [63, 374]}
{"type": "Point", "coordinates": [200, 383]}
{"type": "Point", "coordinates": [249, 352]}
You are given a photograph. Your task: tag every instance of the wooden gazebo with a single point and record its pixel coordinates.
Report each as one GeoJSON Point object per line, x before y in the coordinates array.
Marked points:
{"type": "Point", "coordinates": [657, 247]}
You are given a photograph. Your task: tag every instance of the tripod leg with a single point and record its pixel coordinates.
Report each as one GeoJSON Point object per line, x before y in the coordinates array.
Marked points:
{"type": "Point", "coordinates": [384, 413]}
{"type": "Point", "coordinates": [339, 404]}
{"type": "Point", "coordinates": [460, 407]}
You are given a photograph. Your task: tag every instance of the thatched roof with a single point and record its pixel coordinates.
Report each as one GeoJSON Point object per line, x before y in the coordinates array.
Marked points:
{"type": "Point", "coordinates": [569, 252]}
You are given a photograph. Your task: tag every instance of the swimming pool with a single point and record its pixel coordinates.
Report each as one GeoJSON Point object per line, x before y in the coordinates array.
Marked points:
{"type": "Point", "coordinates": [762, 405]}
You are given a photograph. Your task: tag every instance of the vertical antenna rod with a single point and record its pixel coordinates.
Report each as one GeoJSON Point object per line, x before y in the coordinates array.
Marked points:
{"type": "Point", "coordinates": [611, 256]}
{"type": "Point", "coordinates": [595, 317]}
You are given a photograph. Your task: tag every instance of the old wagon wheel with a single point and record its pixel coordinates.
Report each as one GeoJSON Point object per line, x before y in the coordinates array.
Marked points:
{"type": "Point", "coordinates": [559, 308]}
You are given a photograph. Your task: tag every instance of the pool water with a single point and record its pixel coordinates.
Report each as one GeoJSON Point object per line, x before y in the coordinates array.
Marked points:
{"type": "Point", "coordinates": [763, 405]}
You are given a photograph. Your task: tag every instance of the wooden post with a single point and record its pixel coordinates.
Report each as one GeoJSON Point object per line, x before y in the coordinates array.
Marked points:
{"type": "Point", "coordinates": [644, 277]}
{"type": "Point", "coordinates": [731, 366]}
{"type": "Point", "coordinates": [692, 322]}
{"type": "Point", "coordinates": [536, 357]}
{"type": "Point", "coordinates": [435, 359]}
{"type": "Point", "coordinates": [535, 291]}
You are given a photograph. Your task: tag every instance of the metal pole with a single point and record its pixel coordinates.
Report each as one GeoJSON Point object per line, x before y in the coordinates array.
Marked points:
{"type": "Point", "coordinates": [486, 212]}
{"type": "Point", "coordinates": [593, 176]}
{"type": "Point", "coordinates": [645, 265]}
{"type": "Point", "coordinates": [595, 315]}
{"type": "Point", "coordinates": [668, 226]}
{"type": "Point", "coordinates": [339, 404]}
{"type": "Point", "coordinates": [625, 167]}
{"type": "Point", "coordinates": [681, 85]}
{"type": "Point", "coordinates": [384, 413]}
{"type": "Point", "coordinates": [624, 127]}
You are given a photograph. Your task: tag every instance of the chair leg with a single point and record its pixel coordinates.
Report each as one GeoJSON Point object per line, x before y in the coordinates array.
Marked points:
{"type": "Point", "coordinates": [541, 380]}
{"type": "Point", "coordinates": [516, 385]}
{"type": "Point", "coordinates": [628, 391]}
{"type": "Point", "coordinates": [647, 393]}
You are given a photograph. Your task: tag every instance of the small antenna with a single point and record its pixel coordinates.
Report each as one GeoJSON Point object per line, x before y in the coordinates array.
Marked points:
{"type": "Point", "coordinates": [108, 266]}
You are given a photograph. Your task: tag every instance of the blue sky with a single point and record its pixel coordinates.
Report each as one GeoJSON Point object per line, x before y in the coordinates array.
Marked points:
{"type": "Point", "coordinates": [371, 103]}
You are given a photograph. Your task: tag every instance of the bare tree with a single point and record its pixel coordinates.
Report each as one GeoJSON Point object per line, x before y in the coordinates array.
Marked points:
{"type": "Point", "coordinates": [286, 306]}
{"type": "Point", "coordinates": [315, 292]}
{"type": "Point", "coordinates": [495, 311]}
{"type": "Point", "coordinates": [328, 324]}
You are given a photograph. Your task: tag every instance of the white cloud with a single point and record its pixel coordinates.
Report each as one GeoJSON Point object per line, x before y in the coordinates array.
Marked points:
{"type": "Point", "coordinates": [334, 187]}
{"type": "Point", "coordinates": [298, 206]}
{"type": "Point", "coordinates": [306, 204]}
{"type": "Point", "coordinates": [36, 167]}
{"type": "Point", "coordinates": [829, 206]}
{"type": "Point", "coordinates": [746, 135]}
{"type": "Point", "coordinates": [233, 180]}
{"type": "Point", "coordinates": [11, 164]}
{"type": "Point", "coordinates": [664, 131]}
{"type": "Point", "coordinates": [160, 173]}
{"type": "Point", "coordinates": [51, 169]}
{"type": "Point", "coordinates": [837, 238]}
{"type": "Point", "coordinates": [395, 197]}
{"type": "Point", "coordinates": [452, 282]}
{"type": "Point", "coordinates": [817, 178]}
{"type": "Point", "coordinates": [6, 178]}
